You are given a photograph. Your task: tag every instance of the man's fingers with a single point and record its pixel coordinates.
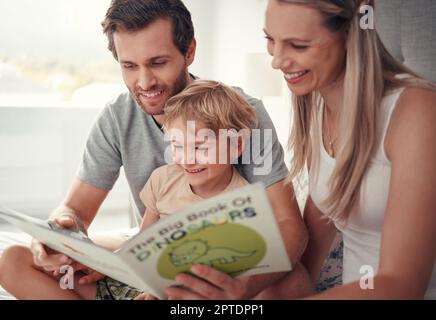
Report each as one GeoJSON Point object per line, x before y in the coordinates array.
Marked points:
{"type": "Point", "coordinates": [43, 257]}
{"type": "Point", "coordinates": [91, 278]}
{"type": "Point", "coordinates": [51, 262]}
{"type": "Point", "coordinates": [66, 222]}
{"type": "Point", "coordinates": [77, 266]}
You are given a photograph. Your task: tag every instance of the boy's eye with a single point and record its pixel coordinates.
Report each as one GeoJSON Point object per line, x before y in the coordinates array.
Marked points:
{"type": "Point", "coordinates": [177, 147]}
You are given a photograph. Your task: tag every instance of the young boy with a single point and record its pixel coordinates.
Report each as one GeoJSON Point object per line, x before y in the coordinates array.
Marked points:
{"type": "Point", "coordinates": [207, 124]}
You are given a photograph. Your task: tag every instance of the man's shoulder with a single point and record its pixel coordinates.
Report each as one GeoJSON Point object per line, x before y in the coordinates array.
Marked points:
{"type": "Point", "coordinates": [121, 102]}
{"type": "Point", "coordinates": [123, 110]}
{"type": "Point", "coordinates": [254, 102]}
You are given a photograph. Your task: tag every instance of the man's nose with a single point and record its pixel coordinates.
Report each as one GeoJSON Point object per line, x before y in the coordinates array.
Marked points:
{"type": "Point", "coordinates": [146, 79]}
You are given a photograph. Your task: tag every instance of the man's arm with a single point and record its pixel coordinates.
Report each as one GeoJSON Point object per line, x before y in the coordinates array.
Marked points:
{"type": "Point", "coordinates": [82, 202]}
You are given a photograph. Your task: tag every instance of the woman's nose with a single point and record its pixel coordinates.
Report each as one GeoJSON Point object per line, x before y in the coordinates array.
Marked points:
{"type": "Point", "coordinates": [280, 59]}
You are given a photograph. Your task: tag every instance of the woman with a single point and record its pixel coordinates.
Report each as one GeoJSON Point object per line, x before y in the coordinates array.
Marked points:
{"type": "Point", "coordinates": [366, 128]}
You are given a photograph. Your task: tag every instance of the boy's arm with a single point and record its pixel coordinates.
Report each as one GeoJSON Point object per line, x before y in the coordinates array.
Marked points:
{"type": "Point", "coordinates": [150, 217]}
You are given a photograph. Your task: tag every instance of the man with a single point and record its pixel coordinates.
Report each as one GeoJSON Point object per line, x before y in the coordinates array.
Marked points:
{"type": "Point", "coordinates": [153, 41]}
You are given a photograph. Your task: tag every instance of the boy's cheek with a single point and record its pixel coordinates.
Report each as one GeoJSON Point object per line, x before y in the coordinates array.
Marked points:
{"type": "Point", "coordinates": [203, 158]}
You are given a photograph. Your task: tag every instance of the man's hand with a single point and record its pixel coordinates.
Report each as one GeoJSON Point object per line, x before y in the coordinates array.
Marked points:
{"type": "Point", "coordinates": [91, 276]}
{"type": "Point", "coordinates": [51, 260]}
{"type": "Point", "coordinates": [208, 283]}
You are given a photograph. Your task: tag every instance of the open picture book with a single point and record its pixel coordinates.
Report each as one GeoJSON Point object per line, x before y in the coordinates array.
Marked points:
{"type": "Point", "coordinates": [234, 232]}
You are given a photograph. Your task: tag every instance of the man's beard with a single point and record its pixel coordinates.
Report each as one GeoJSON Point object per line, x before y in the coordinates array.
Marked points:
{"type": "Point", "coordinates": [179, 84]}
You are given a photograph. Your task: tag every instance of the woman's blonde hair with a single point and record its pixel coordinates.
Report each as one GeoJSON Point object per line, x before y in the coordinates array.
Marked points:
{"type": "Point", "coordinates": [370, 72]}
{"type": "Point", "coordinates": [212, 103]}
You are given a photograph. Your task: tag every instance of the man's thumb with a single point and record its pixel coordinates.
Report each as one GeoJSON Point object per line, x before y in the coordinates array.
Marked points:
{"type": "Point", "coordinates": [66, 222]}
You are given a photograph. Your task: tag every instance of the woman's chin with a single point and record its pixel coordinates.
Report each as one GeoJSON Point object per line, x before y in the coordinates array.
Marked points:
{"type": "Point", "coordinates": [299, 92]}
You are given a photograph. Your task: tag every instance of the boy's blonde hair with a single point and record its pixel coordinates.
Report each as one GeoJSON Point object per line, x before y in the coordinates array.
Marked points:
{"type": "Point", "coordinates": [212, 103]}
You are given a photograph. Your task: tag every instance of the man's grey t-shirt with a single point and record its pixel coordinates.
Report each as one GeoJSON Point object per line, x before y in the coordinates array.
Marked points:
{"type": "Point", "coordinates": [125, 136]}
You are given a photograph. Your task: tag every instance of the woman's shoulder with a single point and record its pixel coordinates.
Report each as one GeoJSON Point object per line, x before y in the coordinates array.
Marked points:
{"type": "Point", "coordinates": [416, 104]}
{"type": "Point", "coordinates": [414, 117]}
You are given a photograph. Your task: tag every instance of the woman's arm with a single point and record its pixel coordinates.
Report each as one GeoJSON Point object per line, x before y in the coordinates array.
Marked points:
{"type": "Point", "coordinates": [321, 235]}
{"type": "Point", "coordinates": [408, 243]}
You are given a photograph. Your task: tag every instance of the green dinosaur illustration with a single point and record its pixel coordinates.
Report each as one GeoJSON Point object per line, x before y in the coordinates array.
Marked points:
{"type": "Point", "coordinates": [197, 251]}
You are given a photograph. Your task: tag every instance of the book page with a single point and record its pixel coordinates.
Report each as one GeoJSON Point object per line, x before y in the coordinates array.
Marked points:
{"type": "Point", "coordinates": [75, 245]}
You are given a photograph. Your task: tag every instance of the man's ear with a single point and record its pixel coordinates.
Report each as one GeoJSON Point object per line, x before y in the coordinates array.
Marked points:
{"type": "Point", "coordinates": [237, 152]}
{"type": "Point", "coordinates": [190, 54]}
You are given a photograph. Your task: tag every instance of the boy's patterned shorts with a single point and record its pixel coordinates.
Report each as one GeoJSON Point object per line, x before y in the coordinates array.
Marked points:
{"type": "Point", "coordinates": [110, 289]}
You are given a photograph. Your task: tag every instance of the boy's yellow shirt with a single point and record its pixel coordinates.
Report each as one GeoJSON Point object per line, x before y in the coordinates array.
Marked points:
{"type": "Point", "coordinates": [167, 190]}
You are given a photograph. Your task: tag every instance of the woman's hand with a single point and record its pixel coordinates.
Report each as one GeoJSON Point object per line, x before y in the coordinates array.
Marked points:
{"type": "Point", "coordinates": [207, 284]}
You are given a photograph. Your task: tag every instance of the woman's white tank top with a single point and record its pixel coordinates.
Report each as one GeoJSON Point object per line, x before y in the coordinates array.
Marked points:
{"type": "Point", "coordinates": [362, 233]}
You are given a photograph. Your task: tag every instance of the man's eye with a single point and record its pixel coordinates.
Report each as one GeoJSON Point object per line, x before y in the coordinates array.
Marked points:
{"type": "Point", "coordinates": [159, 63]}
{"type": "Point", "coordinates": [128, 66]}
{"type": "Point", "coordinates": [299, 47]}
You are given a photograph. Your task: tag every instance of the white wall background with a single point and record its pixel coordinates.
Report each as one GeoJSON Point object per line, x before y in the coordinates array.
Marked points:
{"type": "Point", "coordinates": [40, 148]}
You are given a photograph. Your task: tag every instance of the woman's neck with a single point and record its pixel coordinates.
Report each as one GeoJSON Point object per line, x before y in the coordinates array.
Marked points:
{"type": "Point", "coordinates": [333, 96]}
